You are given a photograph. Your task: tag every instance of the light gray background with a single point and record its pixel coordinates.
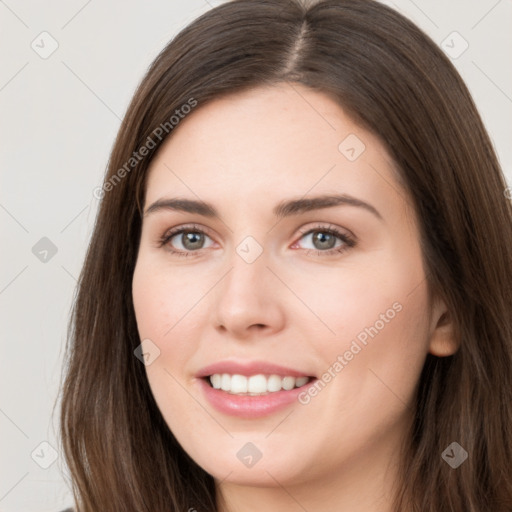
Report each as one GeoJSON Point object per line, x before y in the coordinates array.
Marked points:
{"type": "Point", "coordinates": [59, 117]}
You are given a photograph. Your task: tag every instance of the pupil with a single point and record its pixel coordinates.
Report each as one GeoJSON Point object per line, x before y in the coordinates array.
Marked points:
{"type": "Point", "coordinates": [324, 240]}
{"type": "Point", "coordinates": [192, 240]}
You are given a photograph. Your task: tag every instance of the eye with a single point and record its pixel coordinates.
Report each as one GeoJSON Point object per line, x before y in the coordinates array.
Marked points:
{"type": "Point", "coordinates": [185, 239]}
{"type": "Point", "coordinates": [327, 240]}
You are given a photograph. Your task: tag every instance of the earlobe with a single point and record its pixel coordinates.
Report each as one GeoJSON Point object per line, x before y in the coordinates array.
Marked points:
{"type": "Point", "coordinates": [443, 342]}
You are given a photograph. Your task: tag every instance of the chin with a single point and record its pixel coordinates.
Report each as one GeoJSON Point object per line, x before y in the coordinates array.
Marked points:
{"type": "Point", "coordinates": [259, 463]}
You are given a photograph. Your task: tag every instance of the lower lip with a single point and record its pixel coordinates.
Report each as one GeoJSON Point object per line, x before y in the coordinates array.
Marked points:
{"type": "Point", "coordinates": [246, 406]}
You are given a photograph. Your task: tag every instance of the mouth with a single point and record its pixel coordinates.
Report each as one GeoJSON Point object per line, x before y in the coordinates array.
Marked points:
{"type": "Point", "coordinates": [255, 385]}
{"type": "Point", "coordinates": [252, 389]}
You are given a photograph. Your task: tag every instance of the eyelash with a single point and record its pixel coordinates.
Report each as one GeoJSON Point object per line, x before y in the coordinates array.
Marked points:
{"type": "Point", "coordinates": [348, 241]}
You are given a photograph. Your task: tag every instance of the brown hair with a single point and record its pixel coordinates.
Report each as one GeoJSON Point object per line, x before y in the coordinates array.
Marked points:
{"type": "Point", "coordinates": [395, 82]}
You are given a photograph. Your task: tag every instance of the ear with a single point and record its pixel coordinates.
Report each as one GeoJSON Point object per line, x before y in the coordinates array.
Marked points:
{"type": "Point", "coordinates": [442, 338]}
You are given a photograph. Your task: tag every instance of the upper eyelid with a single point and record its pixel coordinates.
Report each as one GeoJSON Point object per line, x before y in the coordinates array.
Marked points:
{"type": "Point", "coordinates": [330, 227]}
{"type": "Point", "coordinates": [187, 227]}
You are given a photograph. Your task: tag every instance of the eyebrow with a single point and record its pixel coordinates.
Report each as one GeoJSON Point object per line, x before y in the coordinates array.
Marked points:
{"type": "Point", "coordinates": [283, 209]}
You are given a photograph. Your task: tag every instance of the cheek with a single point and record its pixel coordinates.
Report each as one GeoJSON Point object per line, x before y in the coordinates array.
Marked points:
{"type": "Point", "coordinates": [163, 301]}
{"type": "Point", "coordinates": [151, 303]}
{"type": "Point", "coordinates": [377, 315]}
{"type": "Point", "coordinates": [371, 369]}
{"type": "Point", "coordinates": [163, 296]}
{"type": "Point", "coordinates": [361, 297]}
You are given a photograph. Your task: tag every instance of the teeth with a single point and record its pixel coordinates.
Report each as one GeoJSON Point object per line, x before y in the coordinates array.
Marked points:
{"type": "Point", "coordinates": [274, 383]}
{"type": "Point", "coordinates": [225, 382]}
{"type": "Point", "coordinates": [239, 384]}
{"type": "Point", "coordinates": [216, 380]}
{"type": "Point", "coordinates": [255, 384]}
{"type": "Point", "coordinates": [288, 383]}
{"type": "Point", "coordinates": [300, 381]}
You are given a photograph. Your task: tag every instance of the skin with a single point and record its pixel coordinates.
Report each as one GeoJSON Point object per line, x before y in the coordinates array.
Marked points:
{"type": "Point", "coordinates": [293, 306]}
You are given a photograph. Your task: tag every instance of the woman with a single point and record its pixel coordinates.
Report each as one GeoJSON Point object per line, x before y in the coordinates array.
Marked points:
{"type": "Point", "coordinates": [297, 292]}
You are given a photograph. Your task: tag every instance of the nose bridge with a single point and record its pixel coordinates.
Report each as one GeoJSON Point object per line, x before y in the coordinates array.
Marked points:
{"type": "Point", "coordinates": [248, 259]}
{"type": "Point", "coordinates": [247, 296]}
{"type": "Point", "coordinates": [247, 279]}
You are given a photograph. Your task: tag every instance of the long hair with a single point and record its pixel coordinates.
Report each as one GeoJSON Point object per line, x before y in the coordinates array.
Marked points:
{"type": "Point", "coordinates": [392, 80]}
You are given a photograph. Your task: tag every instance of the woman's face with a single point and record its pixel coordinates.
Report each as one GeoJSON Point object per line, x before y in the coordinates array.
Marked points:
{"type": "Point", "coordinates": [297, 288]}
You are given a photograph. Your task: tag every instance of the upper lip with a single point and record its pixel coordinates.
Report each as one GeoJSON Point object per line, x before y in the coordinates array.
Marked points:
{"type": "Point", "coordinates": [249, 368]}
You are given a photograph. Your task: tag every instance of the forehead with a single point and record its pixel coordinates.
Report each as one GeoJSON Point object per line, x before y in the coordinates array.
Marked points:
{"type": "Point", "coordinates": [266, 142]}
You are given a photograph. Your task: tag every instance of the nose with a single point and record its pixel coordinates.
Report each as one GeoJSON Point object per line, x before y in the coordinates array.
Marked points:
{"type": "Point", "coordinates": [249, 300]}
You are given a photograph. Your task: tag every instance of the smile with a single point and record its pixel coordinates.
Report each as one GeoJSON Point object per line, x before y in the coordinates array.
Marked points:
{"type": "Point", "coordinates": [255, 385]}
{"type": "Point", "coordinates": [252, 389]}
